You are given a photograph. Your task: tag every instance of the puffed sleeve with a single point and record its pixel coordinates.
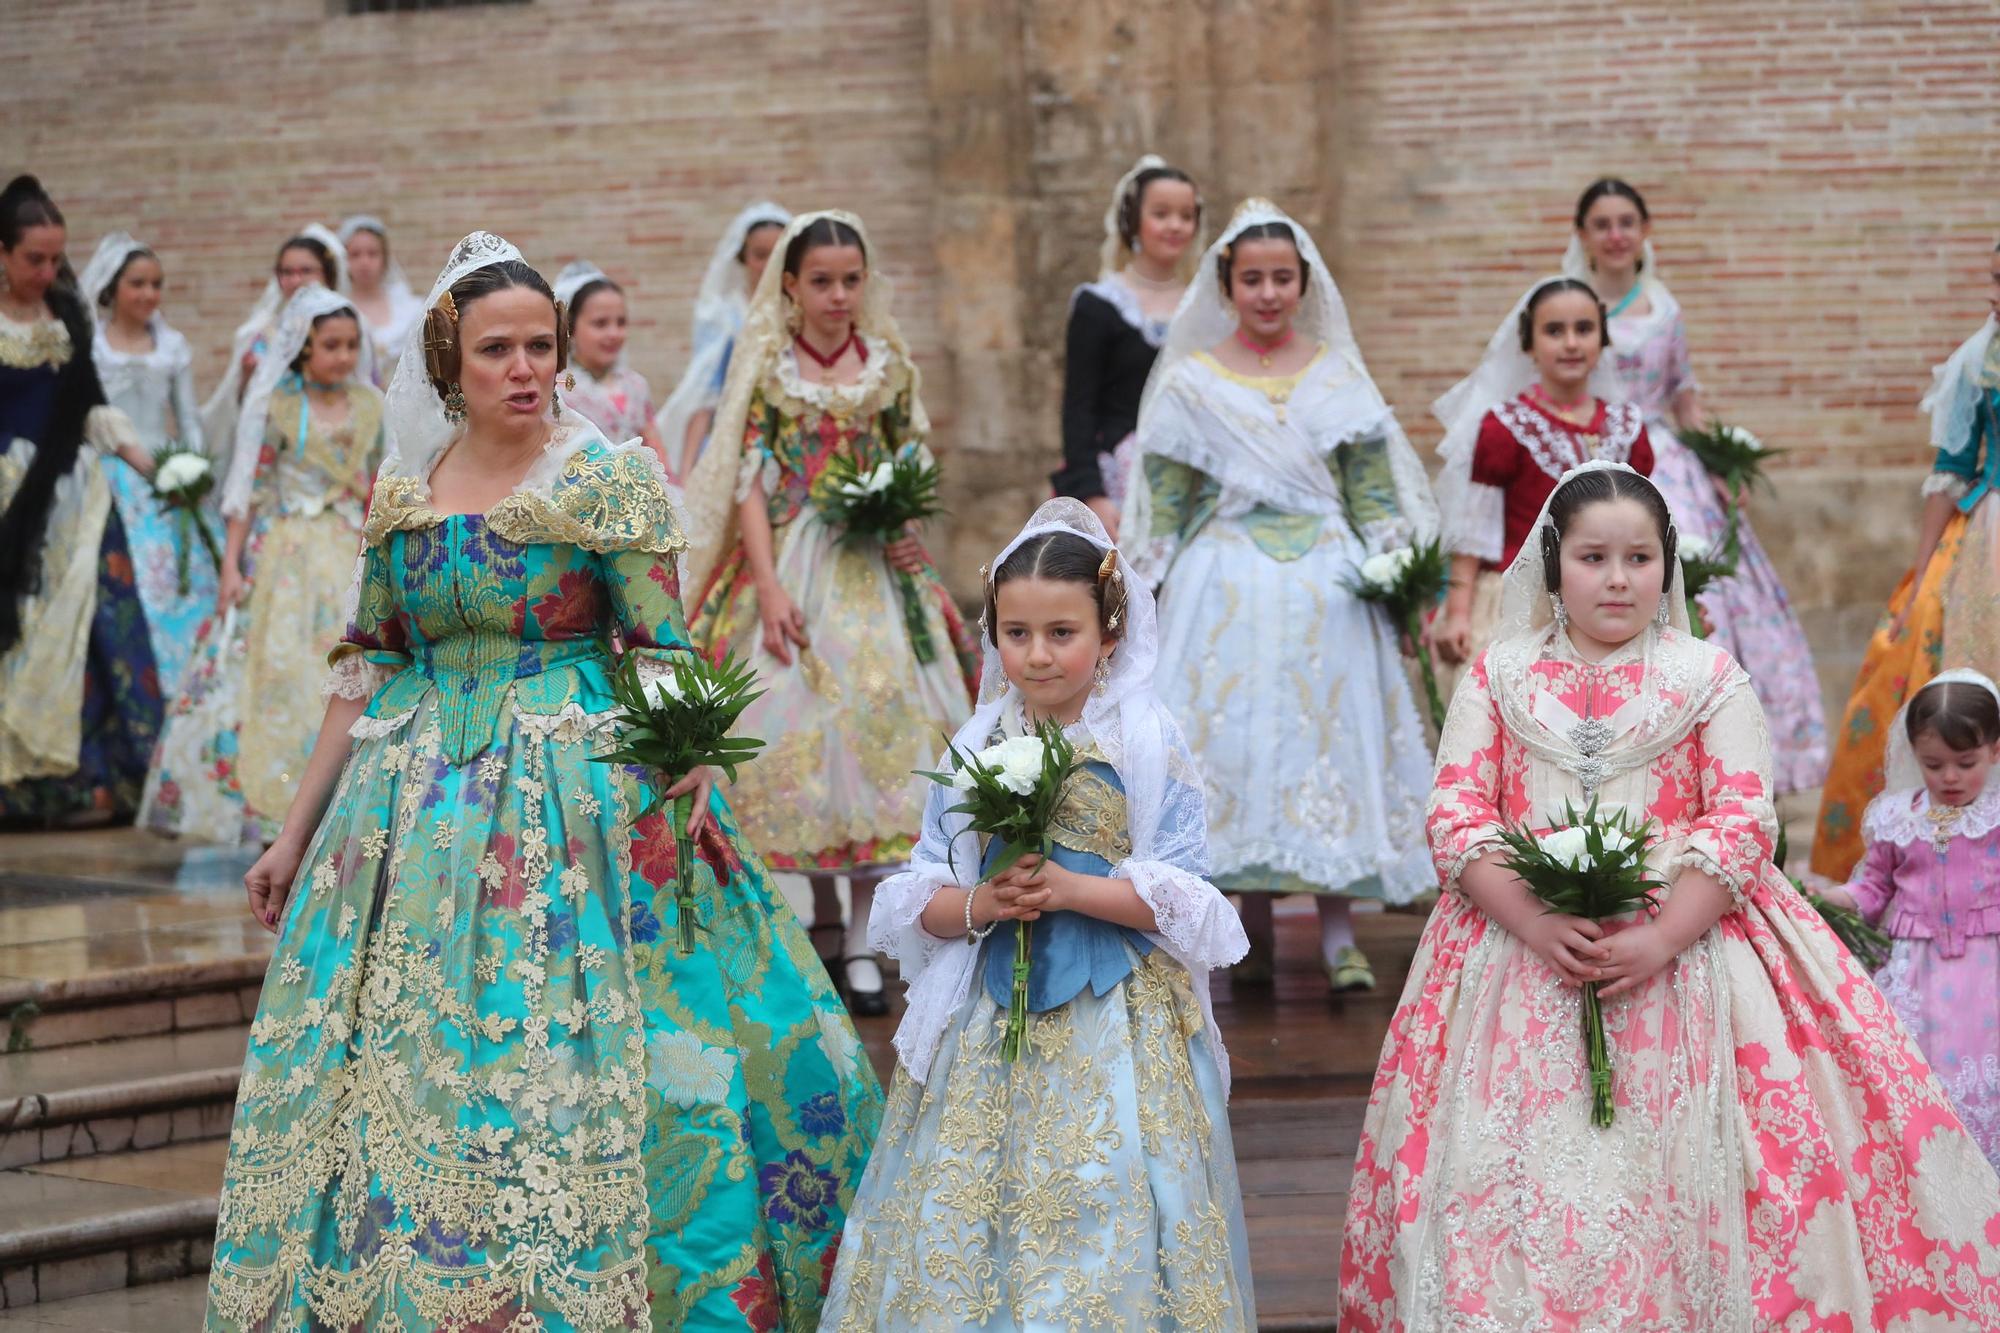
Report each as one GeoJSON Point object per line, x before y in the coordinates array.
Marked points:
{"type": "Point", "coordinates": [1085, 345]}
{"type": "Point", "coordinates": [1479, 528]}
{"type": "Point", "coordinates": [1874, 881]}
{"type": "Point", "coordinates": [759, 463]}
{"type": "Point", "coordinates": [1733, 835]}
{"type": "Point", "coordinates": [1464, 820]}
{"type": "Point", "coordinates": [1953, 471]}
{"type": "Point", "coordinates": [376, 643]}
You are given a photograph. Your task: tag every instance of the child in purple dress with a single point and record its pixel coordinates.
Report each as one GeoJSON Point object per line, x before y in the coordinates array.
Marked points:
{"type": "Point", "coordinates": [1931, 881]}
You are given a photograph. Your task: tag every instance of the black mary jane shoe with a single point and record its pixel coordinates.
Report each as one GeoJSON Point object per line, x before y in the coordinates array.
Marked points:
{"type": "Point", "coordinates": [862, 1003]}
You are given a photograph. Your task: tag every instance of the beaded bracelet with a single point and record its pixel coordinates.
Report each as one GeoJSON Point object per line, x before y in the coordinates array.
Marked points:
{"type": "Point", "coordinates": [973, 937]}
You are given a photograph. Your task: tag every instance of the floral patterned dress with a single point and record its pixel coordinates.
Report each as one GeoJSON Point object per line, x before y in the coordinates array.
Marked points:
{"type": "Point", "coordinates": [1747, 613]}
{"type": "Point", "coordinates": [857, 712]}
{"type": "Point", "coordinates": [1781, 1157]}
{"type": "Point", "coordinates": [483, 1090]}
{"type": "Point", "coordinates": [238, 733]}
{"type": "Point", "coordinates": [620, 403]}
{"type": "Point", "coordinates": [79, 693]}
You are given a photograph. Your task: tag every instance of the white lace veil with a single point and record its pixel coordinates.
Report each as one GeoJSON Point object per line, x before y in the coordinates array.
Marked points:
{"type": "Point", "coordinates": [1902, 773]}
{"type": "Point", "coordinates": [1953, 400]}
{"type": "Point", "coordinates": [287, 340]}
{"type": "Point", "coordinates": [1685, 679]}
{"type": "Point", "coordinates": [1503, 374]}
{"type": "Point", "coordinates": [105, 261]}
{"type": "Point", "coordinates": [719, 308]}
{"type": "Point", "coordinates": [219, 413]}
{"type": "Point", "coordinates": [711, 485]}
{"type": "Point", "coordinates": [1205, 318]}
{"type": "Point", "coordinates": [1164, 802]}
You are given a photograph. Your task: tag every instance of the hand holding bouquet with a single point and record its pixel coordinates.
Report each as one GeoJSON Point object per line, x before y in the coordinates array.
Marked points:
{"type": "Point", "coordinates": [1406, 583]}
{"type": "Point", "coordinates": [878, 504]}
{"type": "Point", "coordinates": [1012, 791]}
{"type": "Point", "coordinates": [1731, 454]}
{"type": "Point", "coordinates": [182, 479]}
{"type": "Point", "coordinates": [1595, 868]}
{"type": "Point", "coordinates": [677, 723]}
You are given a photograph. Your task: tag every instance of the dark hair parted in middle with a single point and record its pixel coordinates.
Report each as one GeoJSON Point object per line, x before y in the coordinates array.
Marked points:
{"type": "Point", "coordinates": [1963, 714]}
{"type": "Point", "coordinates": [1132, 204]}
{"type": "Point", "coordinates": [329, 271]}
{"type": "Point", "coordinates": [1225, 268]}
{"type": "Point", "coordinates": [1556, 287]}
{"type": "Point", "coordinates": [581, 297]}
{"type": "Point", "coordinates": [822, 232]}
{"type": "Point", "coordinates": [305, 352]}
{"type": "Point", "coordinates": [442, 353]}
{"type": "Point", "coordinates": [1060, 557]}
{"type": "Point", "coordinates": [1596, 486]}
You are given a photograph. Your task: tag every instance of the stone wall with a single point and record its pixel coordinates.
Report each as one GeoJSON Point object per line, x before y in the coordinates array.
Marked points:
{"type": "Point", "coordinates": [1820, 170]}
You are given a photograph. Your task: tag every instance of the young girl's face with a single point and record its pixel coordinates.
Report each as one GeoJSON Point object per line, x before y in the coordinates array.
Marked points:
{"type": "Point", "coordinates": [1613, 233]}
{"type": "Point", "coordinates": [1567, 342]}
{"type": "Point", "coordinates": [757, 247]}
{"type": "Point", "coordinates": [1612, 572]}
{"type": "Point", "coordinates": [1265, 283]}
{"type": "Point", "coordinates": [827, 289]}
{"type": "Point", "coordinates": [137, 296]}
{"type": "Point", "coordinates": [1167, 219]}
{"type": "Point", "coordinates": [599, 335]}
{"type": "Point", "coordinates": [332, 349]}
{"type": "Point", "coordinates": [1050, 642]}
{"type": "Point", "coordinates": [367, 260]}
{"type": "Point", "coordinates": [1953, 777]}
{"type": "Point", "coordinates": [298, 266]}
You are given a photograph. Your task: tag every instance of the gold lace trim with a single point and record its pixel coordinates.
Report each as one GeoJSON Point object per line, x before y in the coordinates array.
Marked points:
{"type": "Point", "coordinates": [1092, 819]}
{"type": "Point", "coordinates": [599, 502]}
{"type": "Point", "coordinates": [26, 346]}
{"type": "Point", "coordinates": [1275, 387]}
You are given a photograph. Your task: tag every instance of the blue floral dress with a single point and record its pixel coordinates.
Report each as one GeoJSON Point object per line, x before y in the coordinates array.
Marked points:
{"type": "Point", "coordinates": [483, 1090]}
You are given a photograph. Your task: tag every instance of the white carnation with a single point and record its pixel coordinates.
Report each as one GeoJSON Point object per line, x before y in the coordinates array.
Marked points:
{"type": "Point", "coordinates": [1385, 568]}
{"type": "Point", "coordinates": [1743, 439]}
{"type": "Point", "coordinates": [1692, 547]}
{"type": "Point", "coordinates": [1616, 839]}
{"type": "Point", "coordinates": [180, 472]}
{"type": "Point", "coordinates": [1567, 846]}
{"type": "Point", "coordinates": [873, 484]}
{"type": "Point", "coordinates": [1016, 763]}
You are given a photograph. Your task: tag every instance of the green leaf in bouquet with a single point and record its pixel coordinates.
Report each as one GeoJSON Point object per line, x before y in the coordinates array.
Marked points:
{"type": "Point", "coordinates": [1869, 946]}
{"type": "Point", "coordinates": [1734, 456]}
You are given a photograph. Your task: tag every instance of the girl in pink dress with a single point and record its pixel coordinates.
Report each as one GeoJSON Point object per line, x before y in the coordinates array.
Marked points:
{"type": "Point", "coordinates": [1781, 1157]}
{"type": "Point", "coordinates": [1931, 879]}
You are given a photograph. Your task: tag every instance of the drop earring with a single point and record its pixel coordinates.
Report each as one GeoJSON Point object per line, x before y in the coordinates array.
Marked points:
{"type": "Point", "coordinates": [1101, 675]}
{"type": "Point", "coordinates": [1660, 616]}
{"type": "Point", "coordinates": [454, 405]}
{"type": "Point", "coordinates": [1561, 611]}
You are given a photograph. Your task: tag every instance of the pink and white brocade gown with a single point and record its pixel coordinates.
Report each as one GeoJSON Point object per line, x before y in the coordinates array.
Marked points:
{"type": "Point", "coordinates": [1781, 1158]}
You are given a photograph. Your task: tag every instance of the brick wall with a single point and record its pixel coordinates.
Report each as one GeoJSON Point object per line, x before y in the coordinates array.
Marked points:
{"type": "Point", "coordinates": [1821, 173]}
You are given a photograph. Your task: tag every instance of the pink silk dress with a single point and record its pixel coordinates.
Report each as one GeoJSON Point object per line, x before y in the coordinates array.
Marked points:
{"type": "Point", "coordinates": [1934, 889]}
{"type": "Point", "coordinates": [1781, 1156]}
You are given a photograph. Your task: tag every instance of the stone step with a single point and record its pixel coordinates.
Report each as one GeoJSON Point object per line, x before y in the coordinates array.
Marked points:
{"type": "Point", "coordinates": [69, 1229]}
{"type": "Point", "coordinates": [159, 1307]}
{"type": "Point", "coordinates": [81, 1101]}
{"type": "Point", "coordinates": [40, 1015]}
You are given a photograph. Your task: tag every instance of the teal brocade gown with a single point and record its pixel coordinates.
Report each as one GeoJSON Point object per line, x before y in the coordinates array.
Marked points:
{"type": "Point", "coordinates": [483, 1091]}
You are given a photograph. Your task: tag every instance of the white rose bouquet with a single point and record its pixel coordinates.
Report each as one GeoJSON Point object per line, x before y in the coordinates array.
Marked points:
{"type": "Point", "coordinates": [877, 504]}
{"type": "Point", "coordinates": [1731, 454]}
{"type": "Point", "coordinates": [182, 479]}
{"type": "Point", "coordinates": [1012, 791]}
{"type": "Point", "coordinates": [676, 723]}
{"type": "Point", "coordinates": [1594, 868]}
{"type": "Point", "coordinates": [1407, 583]}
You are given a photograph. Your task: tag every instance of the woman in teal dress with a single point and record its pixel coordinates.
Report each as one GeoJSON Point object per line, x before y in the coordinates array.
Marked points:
{"type": "Point", "coordinates": [483, 1090]}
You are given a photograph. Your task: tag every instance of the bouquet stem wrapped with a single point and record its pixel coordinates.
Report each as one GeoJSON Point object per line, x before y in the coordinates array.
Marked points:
{"type": "Point", "coordinates": [182, 479]}
{"type": "Point", "coordinates": [878, 504]}
{"type": "Point", "coordinates": [1012, 791]}
{"type": "Point", "coordinates": [673, 725]}
{"type": "Point", "coordinates": [1595, 868]}
{"type": "Point", "coordinates": [1407, 583]}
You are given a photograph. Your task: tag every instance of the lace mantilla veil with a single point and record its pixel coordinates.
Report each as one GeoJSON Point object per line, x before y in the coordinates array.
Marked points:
{"type": "Point", "coordinates": [1246, 473]}
{"type": "Point", "coordinates": [1163, 796]}
{"type": "Point", "coordinates": [287, 340]}
{"type": "Point", "coordinates": [1683, 682]}
{"type": "Point", "coordinates": [1953, 398]}
{"type": "Point", "coordinates": [711, 486]}
{"type": "Point", "coordinates": [720, 305]}
{"type": "Point", "coordinates": [1503, 374]}
{"type": "Point", "coordinates": [105, 261]}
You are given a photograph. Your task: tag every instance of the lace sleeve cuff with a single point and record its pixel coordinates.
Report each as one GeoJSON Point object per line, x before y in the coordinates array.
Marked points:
{"type": "Point", "coordinates": [1452, 866]}
{"type": "Point", "coordinates": [1480, 528]}
{"type": "Point", "coordinates": [1947, 484]}
{"type": "Point", "coordinates": [751, 471]}
{"type": "Point", "coordinates": [1199, 926]}
{"type": "Point", "coordinates": [1738, 883]}
{"type": "Point", "coordinates": [353, 676]}
{"type": "Point", "coordinates": [111, 430]}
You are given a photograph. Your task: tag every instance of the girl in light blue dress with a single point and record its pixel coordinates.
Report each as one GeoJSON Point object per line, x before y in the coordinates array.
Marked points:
{"type": "Point", "coordinates": [1092, 1182]}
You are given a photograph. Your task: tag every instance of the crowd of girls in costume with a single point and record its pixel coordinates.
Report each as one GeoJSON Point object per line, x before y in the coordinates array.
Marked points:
{"type": "Point", "coordinates": [540, 1050]}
